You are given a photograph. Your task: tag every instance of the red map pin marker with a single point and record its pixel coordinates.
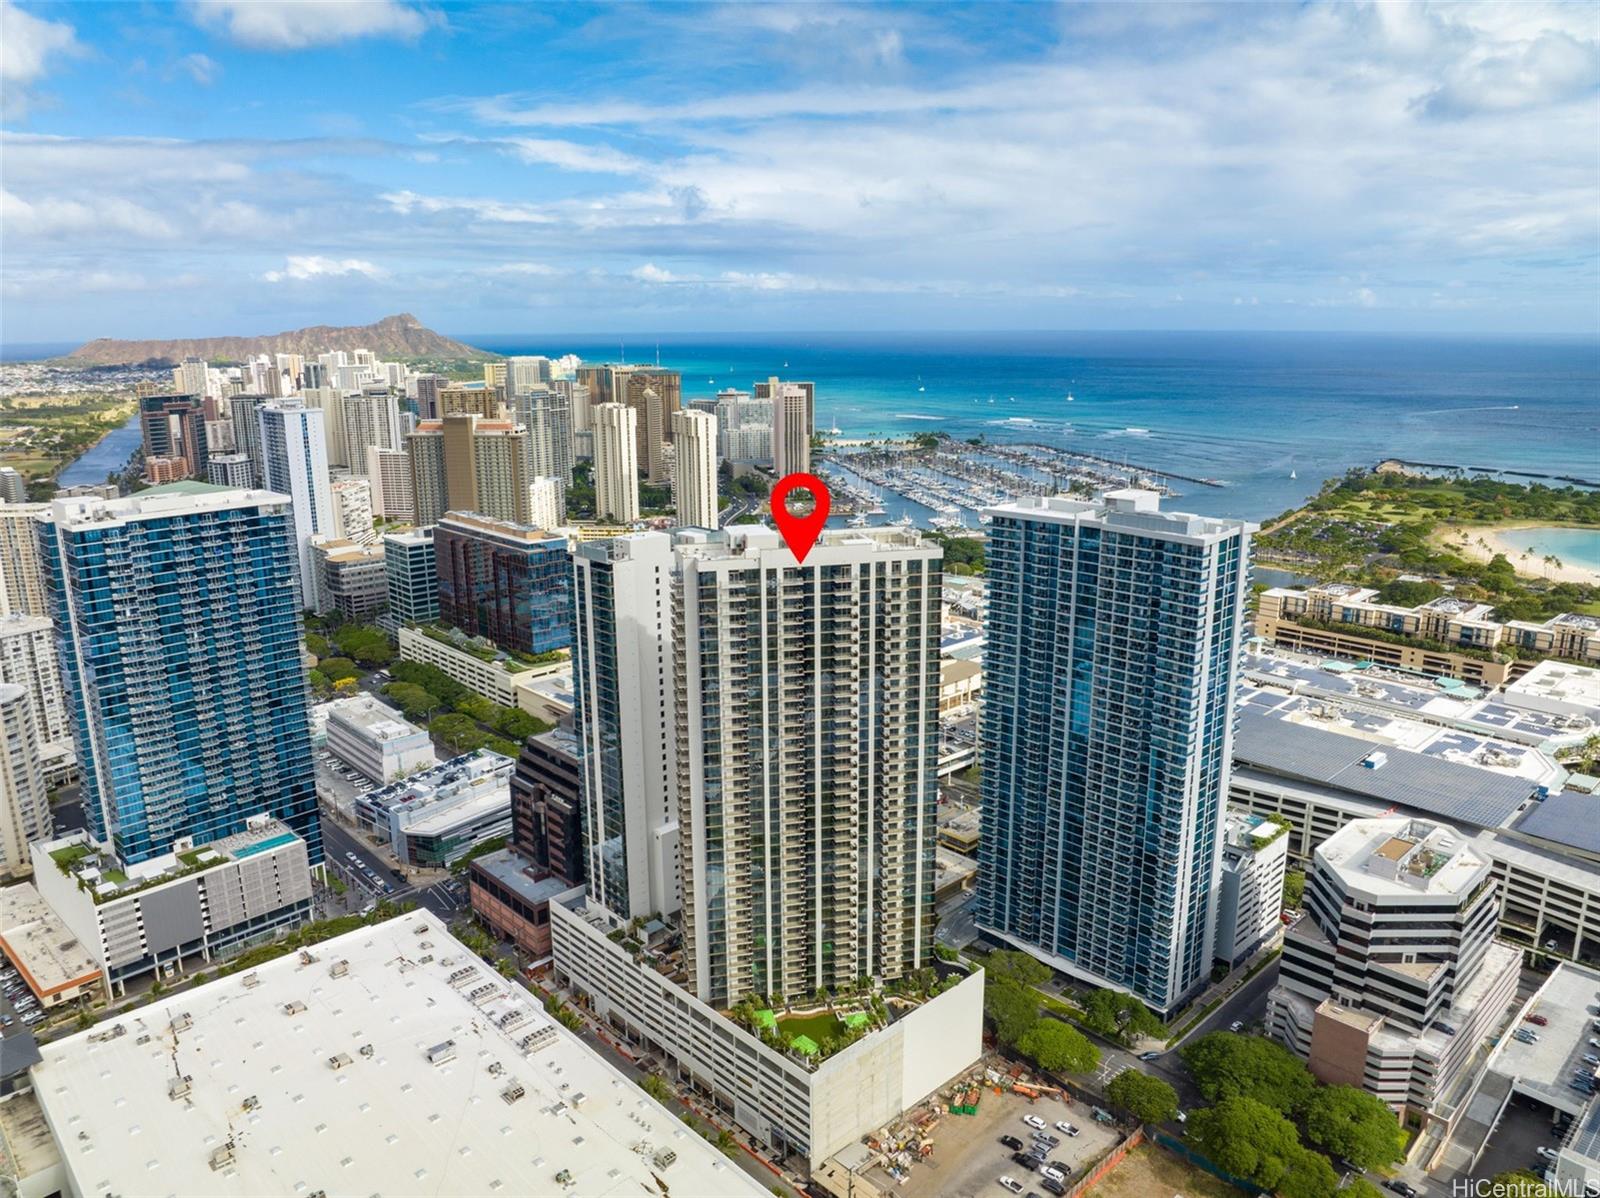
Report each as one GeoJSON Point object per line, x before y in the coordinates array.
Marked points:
{"type": "Point", "coordinates": [800, 532]}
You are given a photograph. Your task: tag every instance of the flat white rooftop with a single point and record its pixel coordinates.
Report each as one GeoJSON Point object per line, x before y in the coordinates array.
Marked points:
{"type": "Point", "coordinates": [1402, 856]}
{"type": "Point", "coordinates": [393, 1063]}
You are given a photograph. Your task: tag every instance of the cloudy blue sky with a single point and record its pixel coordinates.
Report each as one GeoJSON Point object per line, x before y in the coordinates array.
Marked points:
{"type": "Point", "coordinates": [215, 167]}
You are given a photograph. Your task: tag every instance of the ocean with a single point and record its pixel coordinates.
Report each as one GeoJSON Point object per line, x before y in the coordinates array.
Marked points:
{"type": "Point", "coordinates": [1268, 415]}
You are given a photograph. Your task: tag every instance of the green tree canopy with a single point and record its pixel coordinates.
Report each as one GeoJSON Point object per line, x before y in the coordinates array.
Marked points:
{"type": "Point", "coordinates": [1120, 1016]}
{"type": "Point", "coordinates": [1007, 965]}
{"type": "Point", "coordinates": [414, 702]}
{"type": "Point", "coordinates": [1309, 1175]}
{"type": "Point", "coordinates": [1246, 1138]}
{"type": "Point", "coordinates": [1294, 889]}
{"type": "Point", "coordinates": [429, 677]}
{"type": "Point", "coordinates": [1148, 1099]}
{"type": "Point", "coordinates": [366, 643]}
{"type": "Point", "coordinates": [335, 668]}
{"type": "Point", "coordinates": [1225, 1065]}
{"type": "Point", "coordinates": [1059, 1047]}
{"type": "Point", "coordinates": [1353, 1124]}
{"type": "Point", "coordinates": [460, 732]}
{"type": "Point", "coordinates": [1360, 1187]}
{"type": "Point", "coordinates": [1011, 1009]}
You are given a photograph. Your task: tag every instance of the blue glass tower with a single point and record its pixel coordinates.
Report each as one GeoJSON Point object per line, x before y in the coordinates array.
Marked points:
{"type": "Point", "coordinates": [1110, 663]}
{"type": "Point", "coordinates": [508, 582]}
{"type": "Point", "coordinates": [177, 614]}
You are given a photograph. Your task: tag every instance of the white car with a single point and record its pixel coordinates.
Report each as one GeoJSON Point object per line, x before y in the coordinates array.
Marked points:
{"type": "Point", "coordinates": [1063, 1126]}
{"type": "Point", "coordinates": [1053, 1174]}
{"type": "Point", "coordinates": [1236, 1025]}
{"type": "Point", "coordinates": [1034, 1121]}
{"type": "Point", "coordinates": [1549, 1152]}
{"type": "Point", "coordinates": [1012, 1184]}
{"type": "Point", "coordinates": [1070, 1130]}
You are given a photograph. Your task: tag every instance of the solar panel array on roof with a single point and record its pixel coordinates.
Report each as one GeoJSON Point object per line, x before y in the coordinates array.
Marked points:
{"type": "Point", "coordinates": [1459, 793]}
{"type": "Point", "coordinates": [1567, 818]}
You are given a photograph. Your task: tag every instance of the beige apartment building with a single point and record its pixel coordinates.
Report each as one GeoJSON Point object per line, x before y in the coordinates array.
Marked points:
{"type": "Point", "coordinates": [1445, 622]}
{"type": "Point", "coordinates": [468, 464]}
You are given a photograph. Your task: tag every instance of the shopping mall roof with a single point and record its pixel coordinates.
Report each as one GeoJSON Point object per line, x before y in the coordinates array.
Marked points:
{"type": "Point", "coordinates": [386, 1061]}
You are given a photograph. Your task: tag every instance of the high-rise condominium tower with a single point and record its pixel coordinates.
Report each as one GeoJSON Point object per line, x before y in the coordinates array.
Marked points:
{"type": "Point", "coordinates": [389, 473]}
{"type": "Point", "coordinates": [175, 430]}
{"type": "Point", "coordinates": [1113, 640]}
{"type": "Point", "coordinates": [547, 416]}
{"type": "Point", "coordinates": [773, 727]}
{"type": "Point", "coordinates": [654, 394]}
{"type": "Point", "coordinates": [177, 612]}
{"type": "Point", "coordinates": [371, 420]}
{"type": "Point", "coordinates": [190, 376]}
{"type": "Point", "coordinates": [21, 574]}
{"type": "Point", "coordinates": [793, 421]}
{"type": "Point", "coordinates": [294, 462]}
{"type": "Point", "coordinates": [694, 438]}
{"type": "Point", "coordinates": [616, 463]}
{"type": "Point", "coordinates": [28, 660]}
{"type": "Point", "coordinates": [466, 464]}
{"type": "Point", "coordinates": [247, 429]}
{"type": "Point", "coordinates": [24, 800]}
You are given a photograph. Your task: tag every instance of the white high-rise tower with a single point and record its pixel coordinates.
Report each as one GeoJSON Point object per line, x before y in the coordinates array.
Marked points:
{"type": "Point", "coordinates": [616, 463]}
{"type": "Point", "coordinates": [294, 462]}
{"type": "Point", "coordinates": [694, 439]}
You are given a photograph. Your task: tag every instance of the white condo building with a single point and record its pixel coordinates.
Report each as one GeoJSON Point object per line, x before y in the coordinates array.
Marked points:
{"type": "Point", "coordinates": [1393, 979]}
{"type": "Point", "coordinates": [616, 463]}
{"type": "Point", "coordinates": [24, 800]}
{"type": "Point", "coordinates": [389, 476]}
{"type": "Point", "coordinates": [1255, 856]}
{"type": "Point", "coordinates": [294, 462]}
{"type": "Point", "coordinates": [371, 421]}
{"type": "Point", "coordinates": [21, 570]}
{"type": "Point", "coordinates": [352, 510]}
{"type": "Point", "coordinates": [694, 440]}
{"type": "Point", "coordinates": [28, 660]}
{"type": "Point", "coordinates": [547, 503]}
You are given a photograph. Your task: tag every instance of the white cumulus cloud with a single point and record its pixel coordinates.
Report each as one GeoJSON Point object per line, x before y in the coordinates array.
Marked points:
{"type": "Point", "coordinates": [27, 44]}
{"type": "Point", "coordinates": [311, 266]}
{"type": "Point", "coordinates": [296, 24]}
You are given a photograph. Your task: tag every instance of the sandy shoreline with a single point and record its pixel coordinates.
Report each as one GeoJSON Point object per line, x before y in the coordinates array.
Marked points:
{"type": "Point", "coordinates": [1486, 540]}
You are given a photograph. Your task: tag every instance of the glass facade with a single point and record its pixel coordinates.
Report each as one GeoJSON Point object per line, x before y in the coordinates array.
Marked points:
{"type": "Point", "coordinates": [412, 576]}
{"type": "Point", "coordinates": [496, 582]}
{"type": "Point", "coordinates": [1110, 664]}
{"type": "Point", "coordinates": [178, 625]}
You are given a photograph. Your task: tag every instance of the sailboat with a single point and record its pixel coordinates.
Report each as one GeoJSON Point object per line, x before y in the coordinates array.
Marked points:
{"type": "Point", "coordinates": [1292, 473]}
{"type": "Point", "coordinates": [1069, 397]}
{"type": "Point", "coordinates": [835, 430]}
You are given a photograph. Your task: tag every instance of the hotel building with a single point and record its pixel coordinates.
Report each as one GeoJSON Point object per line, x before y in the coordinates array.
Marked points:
{"type": "Point", "coordinates": [506, 582]}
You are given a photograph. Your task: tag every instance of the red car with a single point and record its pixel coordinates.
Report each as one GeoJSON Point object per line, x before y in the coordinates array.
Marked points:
{"type": "Point", "coordinates": [1539, 1019]}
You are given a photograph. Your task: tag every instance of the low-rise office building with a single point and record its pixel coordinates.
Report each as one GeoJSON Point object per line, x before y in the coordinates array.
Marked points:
{"type": "Point", "coordinates": [352, 577]}
{"type": "Point", "coordinates": [174, 912]}
{"type": "Point", "coordinates": [375, 739]}
{"type": "Point", "coordinates": [56, 965]}
{"type": "Point", "coordinates": [1255, 854]}
{"type": "Point", "coordinates": [785, 1100]}
{"type": "Point", "coordinates": [476, 665]}
{"type": "Point", "coordinates": [388, 1060]}
{"type": "Point", "coordinates": [548, 694]}
{"type": "Point", "coordinates": [436, 817]}
{"type": "Point", "coordinates": [512, 895]}
{"type": "Point", "coordinates": [1393, 980]}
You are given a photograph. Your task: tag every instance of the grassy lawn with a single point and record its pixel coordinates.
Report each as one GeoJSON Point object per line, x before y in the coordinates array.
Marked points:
{"type": "Point", "coordinates": [818, 1027]}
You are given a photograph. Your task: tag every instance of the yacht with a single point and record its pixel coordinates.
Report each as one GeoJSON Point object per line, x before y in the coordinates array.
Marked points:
{"type": "Point", "coordinates": [904, 521]}
{"type": "Point", "coordinates": [859, 520]}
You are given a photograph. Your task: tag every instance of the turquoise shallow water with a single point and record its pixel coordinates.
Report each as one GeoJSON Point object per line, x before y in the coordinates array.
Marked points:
{"type": "Point", "coordinates": [1574, 546]}
{"type": "Point", "coordinates": [1271, 415]}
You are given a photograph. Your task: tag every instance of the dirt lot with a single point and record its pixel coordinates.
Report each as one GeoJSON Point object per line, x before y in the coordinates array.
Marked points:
{"type": "Point", "coordinates": [968, 1158]}
{"type": "Point", "coordinates": [1148, 1171]}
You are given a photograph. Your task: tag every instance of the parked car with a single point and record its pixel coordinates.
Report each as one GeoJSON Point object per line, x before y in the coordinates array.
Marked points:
{"type": "Point", "coordinates": [1034, 1121]}
{"type": "Point", "coordinates": [1149, 1056]}
{"type": "Point", "coordinates": [1070, 1130]}
{"type": "Point", "coordinates": [1011, 1142]}
{"type": "Point", "coordinates": [1545, 1150]}
{"type": "Point", "coordinates": [1050, 1174]}
{"type": "Point", "coordinates": [1012, 1184]}
{"type": "Point", "coordinates": [1030, 1163]}
{"type": "Point", "coordinates": [1538, 1019]}
{"type": "Point", "coordinates": [1236, 1025]}
{"type": "Point", "coordinates": [1064, 1126]}
{"type": "Point", "coordinates": [1060, 1167]}
{"type": "Point", "coordinates": [1404, 1188]}
{"type": "Point", "coordinates": [1054, 1186]}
